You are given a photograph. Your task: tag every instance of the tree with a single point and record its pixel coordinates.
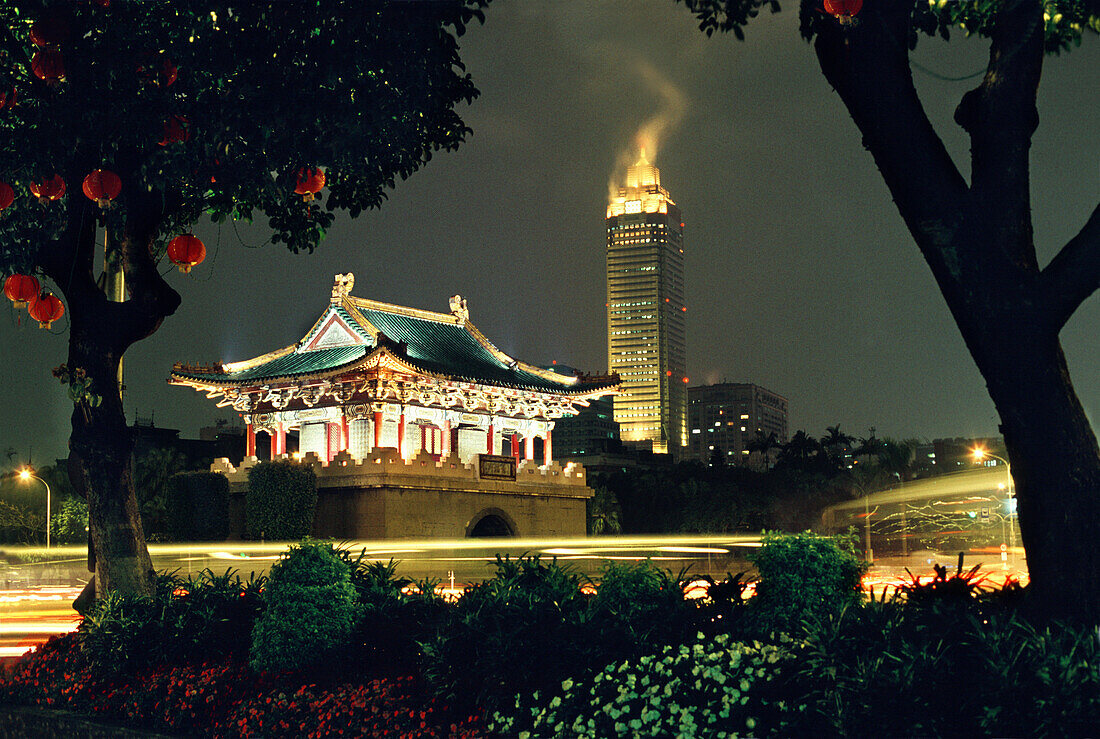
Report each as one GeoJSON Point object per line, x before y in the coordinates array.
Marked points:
{"type": "Point", "coordinates": [977, 239]}
{"type": "Point", "coordinates": [199, 107]}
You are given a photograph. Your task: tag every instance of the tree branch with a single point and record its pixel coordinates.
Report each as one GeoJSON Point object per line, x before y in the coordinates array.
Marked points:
{"type": "Point", "coordinates": [1001, 115]}
{"type": "Point", "coordinates": [151, 298]}
{"type": "Point", "coordinates": [868, 65]}
{"type": "Point", "coordinates": [1074, 274]}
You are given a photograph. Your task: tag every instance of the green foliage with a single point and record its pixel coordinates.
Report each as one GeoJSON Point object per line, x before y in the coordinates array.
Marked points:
{"type": "Point", "coordinates": [197, 506]}
{"type": "Point", "coordinates": [365, 89]}
{"type": "Point", "coordinates": [804, 576]}
{"type": "Point", "coordinates": [69, 524]}
{"type": "Point", "coordinates": [522, 627]}
{"type": "Point", "coordinates": [961, 673]}
{"type": "Point", "coordinates": [204, 617]}
{"type": "Point", "coordinates": [280, 501]}
{"type": "Point", "coordinates": [1064, 21]}
{"type": "Point", "coordinates": [310, 609]}
{"type": "Point", "coordinates": [706, 688]}
{"type": "Point", "coordinates": [637, 606]}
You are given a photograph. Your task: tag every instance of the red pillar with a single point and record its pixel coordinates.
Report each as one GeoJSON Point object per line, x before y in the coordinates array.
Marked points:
{"type": "Point", "coordinates": [249, 441]}
{"type": "Point", "coordinates": [489, 440]}
{"type": "Point", "coordinates": [547, 451]}
{"type": "Point", "coordinates": [401, 435]}
{"type": "Point", "coordinates": [377, 429]}
{"type": "Point", "coordinates": [515, 446]}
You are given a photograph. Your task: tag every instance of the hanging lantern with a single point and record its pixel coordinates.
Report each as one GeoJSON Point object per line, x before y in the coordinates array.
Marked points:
{"type": "Point", "coordinates": [21, 289]}
{"type": "Point", "coordinates": [7, 195]}
{"type": "Point", "coordinates": [46, 308]}
{"type": "Point", "coordinates": [50, 32]}
{"type": "Point", "coordinates": [176, 129]}
{"type": "Point", "coordinates": [48, 65]}
{"type": "Point", "coordinates": [102, 186]}
{"type": "Point", "coordinates": [159, 70]}
{"type": "Point", "coordinates": [310, 182]}
{"type": "Point", "coordinates": [8, 99]}
{"type": "Point", "coordinates": [48, 190]}
{"type": "Point", "coordinates": [186, 251]}
{"type": "Point", "coordinates": [843, 10]}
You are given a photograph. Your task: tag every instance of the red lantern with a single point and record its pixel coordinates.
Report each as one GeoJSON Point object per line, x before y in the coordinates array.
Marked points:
{"type": "Point", "coordinates": [102, 186]}
{"type": "Point", "coordinates": [186, 251]}
{"type": "Point", "coordinates": [176, 129]}
{"type": "Point", "coordinates": [7, 195]}
{"type": "Point", "coordinates": [46, 308]}
{"type": "Point", "coordinates": [844, 10]}
{"type": "Point", "coordinates": [310, 182]}
{"type": "Point", "coordinates": [48, 65]}
{"type": "Point", "coordinates": [159, 70]}
{"type": "Point", "coordinates": [47, 190]}
{"type": "Point", "coordinates": [8, 100]}
{"type": "Point", "coordinates": [21, 289]}
{"type": "Point", "coordinates": [50, 32]}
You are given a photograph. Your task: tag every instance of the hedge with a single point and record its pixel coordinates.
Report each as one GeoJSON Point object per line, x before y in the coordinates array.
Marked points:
{"type": "Point", "coordinates": [280, 502]}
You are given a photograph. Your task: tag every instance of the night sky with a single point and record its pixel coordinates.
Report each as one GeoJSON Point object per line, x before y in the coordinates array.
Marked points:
{"type": "Point", "coordinates": [800, 275]}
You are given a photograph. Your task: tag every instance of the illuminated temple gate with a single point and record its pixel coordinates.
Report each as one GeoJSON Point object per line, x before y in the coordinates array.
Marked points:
{"type": "Point", "coordinates": [414, 422]}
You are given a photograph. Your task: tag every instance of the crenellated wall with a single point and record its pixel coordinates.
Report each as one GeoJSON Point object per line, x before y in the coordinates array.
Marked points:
{"type": "Point", "coordinates": [381, 496]}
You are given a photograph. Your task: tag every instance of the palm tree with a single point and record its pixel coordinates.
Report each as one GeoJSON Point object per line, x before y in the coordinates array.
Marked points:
{"type": "Point", "coordinates": [801, 447]}
{"type": "Point", "coordinates": [837, 445]}
{"type": "Point", "coordinates": [763, 445]}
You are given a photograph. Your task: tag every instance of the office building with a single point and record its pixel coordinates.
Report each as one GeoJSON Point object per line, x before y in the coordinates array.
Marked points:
{"type": "Point", "coordinates": [724, 418]}
{"type": "Point", "coordinates": [646, 311]}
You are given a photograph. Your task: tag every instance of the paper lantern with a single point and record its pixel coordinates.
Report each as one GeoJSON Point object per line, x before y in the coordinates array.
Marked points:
{"type": "Point", "coordinates": [176, 129]}
{"type": "Point", "coordinates": [186, 251]}
{"type": "Point", "coordinates": [7, 195]}
{"type": "Point", "coordinates": [310, 182]}
{"type": "Point", "coordinates": [46, 308]}
{"type": "Point", "coordinates": [48, 65]}
{"type": "Point", "coordinates": [48, 190]}
{"type": "Point", "coordinates": [843, 10]}
{"type": "Point", "coordinates": [102, 186]}
{"type": "Point", "coordinates": [21, 289]}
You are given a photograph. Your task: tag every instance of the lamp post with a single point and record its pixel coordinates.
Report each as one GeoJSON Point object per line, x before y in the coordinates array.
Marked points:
{"type": "Point", "coordinates": [26, 474]}
{"type": "Point", "coordinates": [979, 454]}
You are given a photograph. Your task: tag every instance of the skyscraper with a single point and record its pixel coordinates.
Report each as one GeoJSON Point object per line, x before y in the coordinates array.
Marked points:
{"type": "Point", "coordinates": [645, 310]}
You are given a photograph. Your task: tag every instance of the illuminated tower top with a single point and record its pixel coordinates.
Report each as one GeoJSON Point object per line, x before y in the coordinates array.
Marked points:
{"type": "Point", "coordinates": [643, 192]}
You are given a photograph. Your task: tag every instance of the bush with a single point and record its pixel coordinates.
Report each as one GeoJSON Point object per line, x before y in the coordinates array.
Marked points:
{"type": "Point", "coordinates": [280, 502]}
{"type": "Point", "coordinates": [706, 688]}
{"type": "Point", "coordinates": [69, 525]}
{"type": "Point", "coordinates": [197, 506]}
{"type": "Point", "coordinates": [204, 617]}
{"type": "Point", "coordinates": [638, 607]}
{"type": "Point", "coordinates": [804, 576]}
{"type": "Point", "coordinates": [524, 627]}
{"type": "Point", "coordinates": [310, 609]}
{"type": "Point", "coordinates": [958, 674]}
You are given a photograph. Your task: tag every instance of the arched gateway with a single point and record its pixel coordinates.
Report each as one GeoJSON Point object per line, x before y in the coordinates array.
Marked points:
{"type": "Point", "coordinates": [413, 420]}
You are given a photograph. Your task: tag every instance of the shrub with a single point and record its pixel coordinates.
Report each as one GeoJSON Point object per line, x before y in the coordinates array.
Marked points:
{"type": "Point", "coordinates": [636, 608]}
{"type": "Point", "coordinates": [280, 501]}
{"type": "Point", "coordinates": [310, 609]}
{"type": "Point", "coordinates": [69, 525]}
{"type": "Point", "coordinates": [524, 627]}
{"type": "Point", "coordinates": [207, 616]}
{"type": "Point", "coordinates": [804, 576]}
{"type": "Point", "coordinates": [706, 688]}
{"type": "Point", "coordinates": [197, 506]}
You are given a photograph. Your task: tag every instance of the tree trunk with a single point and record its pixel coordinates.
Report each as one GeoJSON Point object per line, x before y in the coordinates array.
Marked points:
{"type": "Point", "coordinates": [103, 444]}
{"type": "Point", "coordinates": [1055, 467]}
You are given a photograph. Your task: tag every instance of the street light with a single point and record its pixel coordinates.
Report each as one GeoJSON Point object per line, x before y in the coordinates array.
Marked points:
{"type": "Point", "coordinates": [26, 474]}
{"type": "Point", "coordinates": [979, 454]}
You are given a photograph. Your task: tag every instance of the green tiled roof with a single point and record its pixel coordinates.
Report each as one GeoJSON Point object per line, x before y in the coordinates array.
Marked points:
{"type": "Point", "coordinates": [450, 349]}
{"type": "Point", "coordinates": [289, 365]}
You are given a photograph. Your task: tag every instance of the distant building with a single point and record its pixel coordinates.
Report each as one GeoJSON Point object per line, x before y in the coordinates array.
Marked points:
{"type": "Point", "coordinates": [645, 311]}
{"type": "Point", "coordinates": [723, 419]}
{"type": "Point", "coordinates": [199, 453]}
{"type": "Point", "coordinates": [592, 431]}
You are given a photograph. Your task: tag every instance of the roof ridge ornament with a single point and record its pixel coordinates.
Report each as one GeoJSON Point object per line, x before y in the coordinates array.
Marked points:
{"type": "Point", "coordinates": [342, 286]}
{"type": "Point", "coordinates": [458, 309]}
